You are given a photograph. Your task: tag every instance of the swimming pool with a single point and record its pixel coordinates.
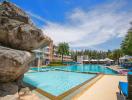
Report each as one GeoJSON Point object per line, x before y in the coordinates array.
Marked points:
{"type": "Point", "coordinates": [92, 68]}
{"type": "Point", "coordinates": [56, 82]}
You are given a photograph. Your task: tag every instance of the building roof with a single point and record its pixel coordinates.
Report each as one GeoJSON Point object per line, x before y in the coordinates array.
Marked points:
{"type": "Point", "coordinates": [102, 60]}
{"type": "Point", "coordinates": [108, 59]}
{"type": "Point", "coordinates": [85, 60]}
{"type": "Point", "coordinates": [93, 60]}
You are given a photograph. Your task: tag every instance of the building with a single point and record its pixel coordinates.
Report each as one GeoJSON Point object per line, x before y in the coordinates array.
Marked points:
{"type": "Point", "coordinates": [125, 58]}
{"type": "Point", "coordinates": [80, 59]}
{"type": "Point", "coordinates": [57, 57]}
{"type": "Point", "coordinates": [86, 60]}
{"type": "Point", "coordinates": [44, 56]}
{"type": "Point", "coordinates": [48, 52]}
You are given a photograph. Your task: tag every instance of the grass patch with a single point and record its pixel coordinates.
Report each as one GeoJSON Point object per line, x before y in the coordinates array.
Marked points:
{"type": "Point", "coordinates": [56, 65]}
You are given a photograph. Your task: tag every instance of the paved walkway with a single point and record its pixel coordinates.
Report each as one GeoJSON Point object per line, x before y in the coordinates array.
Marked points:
{"type": "Point", "coordinates": [104, 89]}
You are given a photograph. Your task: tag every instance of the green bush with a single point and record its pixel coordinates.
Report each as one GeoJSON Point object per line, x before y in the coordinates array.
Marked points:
{"type": "Point", "coordinates": [56, 63]}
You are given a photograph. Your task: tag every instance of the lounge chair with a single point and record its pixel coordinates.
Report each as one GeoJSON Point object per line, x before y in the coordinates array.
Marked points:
{"type": "Point", "coordinates": [123, 86]}
{"type": "Point", "coordinates": [126, 87]}
{"type": "Point", "coordinates": [123, 72]}
{"type": "Point", "coordinates": [130, 69]}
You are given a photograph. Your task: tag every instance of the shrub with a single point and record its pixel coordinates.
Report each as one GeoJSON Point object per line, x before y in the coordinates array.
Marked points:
{"type": "Point", "coordinates": [56, 63]}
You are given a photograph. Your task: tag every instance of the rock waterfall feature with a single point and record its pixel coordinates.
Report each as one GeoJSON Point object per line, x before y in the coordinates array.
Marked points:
{"type": "Point", "coordinates": [18, 37]}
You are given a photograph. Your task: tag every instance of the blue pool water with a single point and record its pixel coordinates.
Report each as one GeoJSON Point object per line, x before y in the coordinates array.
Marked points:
{"type": "Point", "coordinates": [56, 82]}
{"type": "Point", "coordinates": [92, 68]}
{"type": "Point", "coordinates": [88, 68]}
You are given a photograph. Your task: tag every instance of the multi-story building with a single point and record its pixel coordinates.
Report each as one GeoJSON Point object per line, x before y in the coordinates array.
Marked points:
{"type": "Point", "coordinates": [48, 54]}
{"type": "Point", "coordinates": [57, 57]}
{"type": "Point", "coordinates": [80, 59]}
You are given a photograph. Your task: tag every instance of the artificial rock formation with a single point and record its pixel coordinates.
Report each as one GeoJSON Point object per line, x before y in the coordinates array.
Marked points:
{"type": "Point", "coordinates": [13, 63]}
{"type": "Point", "coordinates": [18, 37]}
{"type": "Point", "coordinates": [17, 31]}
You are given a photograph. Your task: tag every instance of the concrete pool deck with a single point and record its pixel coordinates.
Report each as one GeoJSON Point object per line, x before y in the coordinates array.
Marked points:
{"type": "Point", "coordinates": [104, 89]}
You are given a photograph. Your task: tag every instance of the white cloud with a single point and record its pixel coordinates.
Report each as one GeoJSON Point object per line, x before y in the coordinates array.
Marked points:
{"type": "Point", "coordinates": [36, 16]}
{"type": "Point", "coordinates": [87, 28]}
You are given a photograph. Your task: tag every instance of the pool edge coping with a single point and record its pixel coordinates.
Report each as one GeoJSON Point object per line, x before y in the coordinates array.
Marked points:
{"type": "Point", "coordinates": [84, 87]}
{"type": "Point", "coordinates": [70, 91]}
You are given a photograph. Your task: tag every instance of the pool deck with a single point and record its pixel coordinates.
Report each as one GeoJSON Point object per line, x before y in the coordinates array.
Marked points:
{"type": "Point", "coordinates": [104, 89]}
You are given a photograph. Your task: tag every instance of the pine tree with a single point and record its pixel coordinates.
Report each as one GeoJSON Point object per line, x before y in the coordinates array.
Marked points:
{"type": "Point", "coordinates": [127, 43]}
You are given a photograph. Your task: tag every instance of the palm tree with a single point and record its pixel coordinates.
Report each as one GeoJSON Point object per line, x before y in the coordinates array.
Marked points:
{"type": "Point", "coordinates": [116, 54]}
{"type": "Point", "coordinates": [63, 49]}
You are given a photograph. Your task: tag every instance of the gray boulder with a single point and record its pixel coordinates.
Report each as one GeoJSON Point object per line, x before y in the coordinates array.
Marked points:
{"type": "Point", "coordinates": [8, 91]}
{"type": "Point", "coordinates": [11, 11]}
{"type": "Point", "coordinates": [17, 31]}
{"type": "Point", "coordinates": [14, 63]}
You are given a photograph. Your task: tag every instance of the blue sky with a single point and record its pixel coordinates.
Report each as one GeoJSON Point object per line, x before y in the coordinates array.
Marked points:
{"type": "Point", "coordinates": [91, 24]}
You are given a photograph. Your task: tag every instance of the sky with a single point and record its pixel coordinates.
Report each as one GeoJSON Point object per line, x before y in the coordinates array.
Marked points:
{"type": "Point", "coordinates": [84, 24]}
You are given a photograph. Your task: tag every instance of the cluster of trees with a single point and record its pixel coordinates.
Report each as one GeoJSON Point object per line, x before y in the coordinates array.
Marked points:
{"type": "Point", "coordinates": [63, 49]}
{"type": "Point", "coordinates": [126, 45]}
{"type": "Point", "coordinates": [115, 54]}
{"type": "Point", "coordinates": [94, 54]}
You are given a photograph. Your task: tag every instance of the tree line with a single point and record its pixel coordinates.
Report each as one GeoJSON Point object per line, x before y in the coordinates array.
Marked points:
{"type": "Point", "coordinates": [94, 54]}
